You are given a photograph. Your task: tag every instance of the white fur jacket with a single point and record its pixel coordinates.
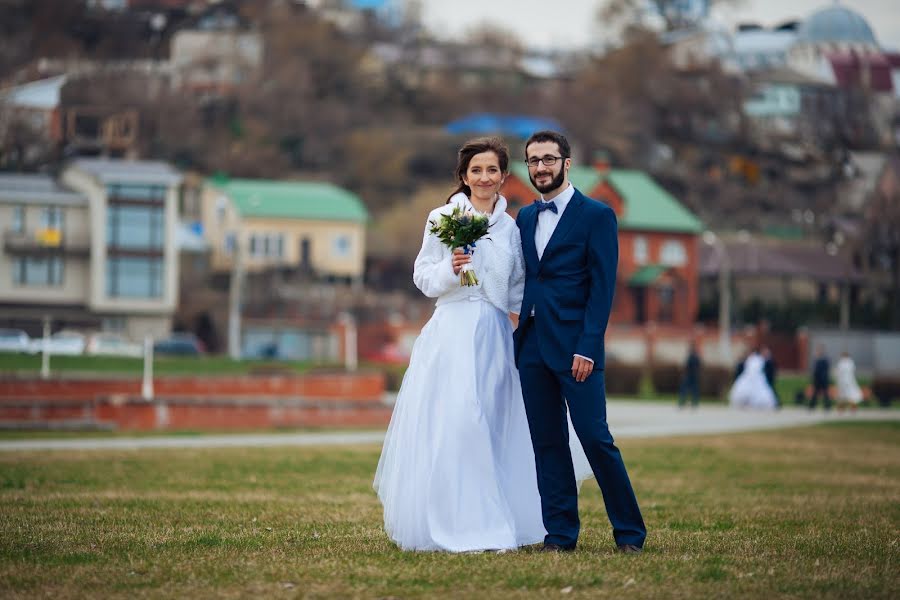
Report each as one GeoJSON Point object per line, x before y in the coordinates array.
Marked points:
{"type": "Point", "coordinates": [498, 262]}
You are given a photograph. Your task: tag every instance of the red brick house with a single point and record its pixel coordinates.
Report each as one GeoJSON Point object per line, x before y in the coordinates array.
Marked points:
{"type": "Point", "coordinates": [658, 243]}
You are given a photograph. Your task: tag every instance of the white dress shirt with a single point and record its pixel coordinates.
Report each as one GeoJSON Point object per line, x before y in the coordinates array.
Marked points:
{"type": "Point", "coordinates": [546, 225]}
{"type": "Point", "coordinates": [548, 220]}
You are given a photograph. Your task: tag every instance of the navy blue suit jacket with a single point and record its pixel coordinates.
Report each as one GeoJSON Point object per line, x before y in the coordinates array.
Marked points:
{"type": "Point", "coordinates": [571, 287]}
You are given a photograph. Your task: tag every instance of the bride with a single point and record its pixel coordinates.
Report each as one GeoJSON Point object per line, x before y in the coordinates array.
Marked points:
{"type": "Point", "coordinates": [750, 389]}
{"type": "Point", "coordinates": [457, 469]}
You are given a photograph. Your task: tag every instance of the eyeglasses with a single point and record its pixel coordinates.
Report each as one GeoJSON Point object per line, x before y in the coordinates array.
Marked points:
{"type": "Point", "coordinates": [547, 159]}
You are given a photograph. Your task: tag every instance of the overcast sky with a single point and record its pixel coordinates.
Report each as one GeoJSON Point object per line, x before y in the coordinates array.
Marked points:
{"type": "Point", "coordinates": [571, 23]}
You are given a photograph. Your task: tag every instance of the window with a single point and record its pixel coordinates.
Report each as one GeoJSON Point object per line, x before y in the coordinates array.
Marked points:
{"type": "Point", "coordinates": [52, 218]}
{"type": "Point", "coordinates": [153, 193]}
{"type": "Point", "coordinates": [229, 243]}
{"type": "Point", "coordinates": [18, 223]}
{"type": "Point", "coordinates": [640, 250]}
{"type": "Point", "coordinates": [666, 304]}
{"type": "Point", "coordinates": [136, 227]}
{"type": "Point", "coordinates": [275, 245]}
{"type": "Point", "coordinates": [269, 245]}
{"type": "Point", "coordinates": [341, 245]}
{"type": "Point", "coordinates": [673, 254]}
{"type": "Point", "coordinates": [114, 324]}
{"type": "Point", "coordinates": [38, 270]}
{"type": "Point", "coordinates": [221, 204]}
{"type": "Point", "coordinates": [134, 277]}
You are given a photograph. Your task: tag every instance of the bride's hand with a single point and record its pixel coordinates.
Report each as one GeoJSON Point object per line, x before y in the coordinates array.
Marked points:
{"type": "Point", "coordinates": [459, 259]}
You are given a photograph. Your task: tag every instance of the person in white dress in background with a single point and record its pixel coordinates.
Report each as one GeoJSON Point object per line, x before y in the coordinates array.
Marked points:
{"type": "Point", "coordinates": [849, 393]}
{"type": "Point", "coordinates": [751, 389]}
{"type": "Point", "coordinates": [457, 472]}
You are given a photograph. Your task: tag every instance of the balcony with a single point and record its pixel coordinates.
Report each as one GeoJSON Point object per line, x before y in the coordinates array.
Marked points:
{"type": "Point", "coordinates": [46, 241]}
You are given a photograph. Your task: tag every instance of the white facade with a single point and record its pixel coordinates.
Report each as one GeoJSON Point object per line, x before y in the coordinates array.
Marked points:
{"type": "Point", "coordinates": [97, 249]}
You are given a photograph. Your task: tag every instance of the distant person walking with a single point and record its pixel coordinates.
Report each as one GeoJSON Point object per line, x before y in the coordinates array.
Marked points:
{"type": "Point", "coordinates": [820, 379]}
{"type": "Point", "coordinates": [690, 380]}
{"type": "Point", "coordinates": [849, 394]}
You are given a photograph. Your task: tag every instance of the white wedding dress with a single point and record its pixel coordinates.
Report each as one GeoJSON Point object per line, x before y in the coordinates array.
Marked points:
{"type": "Point", "coordinates": [750, 389]}
{"type": "Point", "coordinates": [457, 469]}
{"type": "Point", "coordinates": [848, 389]}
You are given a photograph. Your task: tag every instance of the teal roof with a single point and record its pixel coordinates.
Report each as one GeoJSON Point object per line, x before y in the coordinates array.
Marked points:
{"type": "Point", "coordinates": [648, 207]}
{"type": "Point", "coordinates": [291, 199]}
{"type": "Point", "coordinates": [647, 275]}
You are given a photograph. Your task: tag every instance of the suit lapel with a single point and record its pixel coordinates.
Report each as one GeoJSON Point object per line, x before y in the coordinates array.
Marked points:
{"type": "Point", "coordinates": [569, 218]}
{"type": "Point", "coordinates": [529, 221]}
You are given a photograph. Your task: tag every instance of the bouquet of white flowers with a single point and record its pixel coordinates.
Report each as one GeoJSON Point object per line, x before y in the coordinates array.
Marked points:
{"type": "Point", "coordinates": [461, 229]}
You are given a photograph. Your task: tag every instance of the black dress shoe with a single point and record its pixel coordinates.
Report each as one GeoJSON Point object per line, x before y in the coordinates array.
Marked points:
{"type": "Point", "coordinates": [555, 548]}
{"type": "Point", "coordinates": [630, 549]}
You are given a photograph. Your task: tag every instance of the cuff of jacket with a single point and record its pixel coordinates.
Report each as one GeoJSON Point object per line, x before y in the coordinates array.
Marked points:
{"type": "Point", "coordinates": [590, 347]}
{"type": "Point", "coordinates": [448, 279]}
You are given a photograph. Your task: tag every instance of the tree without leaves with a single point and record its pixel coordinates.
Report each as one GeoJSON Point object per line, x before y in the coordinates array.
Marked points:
{"type": "Point", "coordinates": [632, 12]}
{"type": "Point", "coordinates": [881, 239]}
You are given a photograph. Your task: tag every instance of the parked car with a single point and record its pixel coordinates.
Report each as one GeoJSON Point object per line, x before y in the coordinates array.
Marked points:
{"type": "Point", "coordinates": [14, 340]}
{"type": "Point", "coordinates": [62, 342]}
{"type": "Point", "coordinates": [179, 344]}
{"type": "Point", "coordinates": [112, 344]}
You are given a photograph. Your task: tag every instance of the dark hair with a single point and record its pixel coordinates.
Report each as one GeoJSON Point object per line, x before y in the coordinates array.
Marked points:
{"type": "Point", "coordinates": [470, 149]}
{"type": "Point", "coordinates": [550, 136]}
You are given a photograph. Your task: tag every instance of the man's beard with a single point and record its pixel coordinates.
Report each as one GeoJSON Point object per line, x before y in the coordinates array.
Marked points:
{"type": "Point", "coordinates": [554, 183]}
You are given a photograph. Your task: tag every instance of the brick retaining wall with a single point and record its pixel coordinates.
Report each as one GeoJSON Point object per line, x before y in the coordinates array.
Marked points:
{"type": "Point", "coordinates": [233, 402]}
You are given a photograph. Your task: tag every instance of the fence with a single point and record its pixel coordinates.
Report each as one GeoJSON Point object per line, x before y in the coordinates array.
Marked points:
{"type": "Point", "coordinates": [873, 352]}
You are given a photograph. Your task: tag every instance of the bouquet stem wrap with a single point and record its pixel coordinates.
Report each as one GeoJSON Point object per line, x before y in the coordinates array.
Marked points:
{"type": "Point", "coordinates": [467, 271]}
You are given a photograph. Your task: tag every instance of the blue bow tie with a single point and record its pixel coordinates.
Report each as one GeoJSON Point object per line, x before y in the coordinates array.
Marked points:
{"type": "Point", "coordinates": [542, 206]}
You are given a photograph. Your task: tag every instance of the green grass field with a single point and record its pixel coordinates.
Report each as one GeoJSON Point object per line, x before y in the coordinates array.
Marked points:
{"type": "Point", "coordinates": [804, 513]}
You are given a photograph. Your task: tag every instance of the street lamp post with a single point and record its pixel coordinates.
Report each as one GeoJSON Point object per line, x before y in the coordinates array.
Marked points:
{"type": "Point", "coordinates": [713, 240]}
{"type": "Point", "coordinates": [235, 300]}
{"type": "Point", "coordinates": [350, 341]}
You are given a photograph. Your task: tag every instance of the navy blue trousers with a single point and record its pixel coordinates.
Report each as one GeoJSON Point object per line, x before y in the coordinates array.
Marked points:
{"type": "Point", "coordinates": [546, 394]}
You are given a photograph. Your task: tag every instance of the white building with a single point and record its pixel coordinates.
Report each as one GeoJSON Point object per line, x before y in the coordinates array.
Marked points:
{"type": "Point", "coordinates": [95, 249]}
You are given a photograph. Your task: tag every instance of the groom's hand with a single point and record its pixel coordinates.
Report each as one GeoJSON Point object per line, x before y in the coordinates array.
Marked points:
{"type": "Point", "coordinates": [581, 368]}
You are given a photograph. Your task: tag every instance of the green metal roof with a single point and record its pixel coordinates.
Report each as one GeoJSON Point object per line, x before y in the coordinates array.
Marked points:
{"type": "Point", "coordinates": [647, 206]}
{"type": "Point", "coordinates": [291, 199]}
{"type": "Point", "coordinates": [646, 275]}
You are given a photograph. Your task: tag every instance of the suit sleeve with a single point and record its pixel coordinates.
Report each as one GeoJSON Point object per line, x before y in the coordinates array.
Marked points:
{"type": "Point", "coordinates": [603, 260]}
{"type": "Point", "coordinates": [433, 269]}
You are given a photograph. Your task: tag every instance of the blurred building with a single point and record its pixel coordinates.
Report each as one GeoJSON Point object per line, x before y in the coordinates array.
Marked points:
{"type": "Point", "coordinates": [94, 249]}
{"type": "Point", "coordinates": [658, 242]}
{"type": "Point", "coordinates": [756, 47]}
{"type": "Point", "coordinates": [215, 52]}
{"type": "Point", "coordinates": [31, 112]}
{"type": "Point", "coordinates": [309, 226]}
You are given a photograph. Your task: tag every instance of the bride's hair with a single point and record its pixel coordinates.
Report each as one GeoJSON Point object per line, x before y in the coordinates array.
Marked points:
{"type": "Point", "coordinates": [470, 149]}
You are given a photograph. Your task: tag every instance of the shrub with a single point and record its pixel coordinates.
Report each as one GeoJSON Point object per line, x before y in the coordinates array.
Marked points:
{"type": "Point", "coordinates": [715, 381]}
{"type": "Point", "coordinates": [886, 388]}
{"type": "Point", "coordinates": [666, 379]}
{"type": "Point", "coordinates": [622, 379]}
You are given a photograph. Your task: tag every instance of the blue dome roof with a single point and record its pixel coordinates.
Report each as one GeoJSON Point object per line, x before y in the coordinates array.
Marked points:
{"type": "Point", "coordinates": [836, 24]}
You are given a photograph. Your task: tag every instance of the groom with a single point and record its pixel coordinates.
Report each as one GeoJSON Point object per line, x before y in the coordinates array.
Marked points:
{"type": "Point", "coordinates": [570, 243]}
